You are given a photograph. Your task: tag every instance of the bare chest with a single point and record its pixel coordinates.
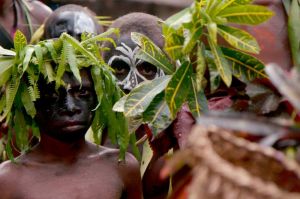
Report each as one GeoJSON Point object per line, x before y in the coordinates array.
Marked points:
{"type": "Point", "coordinates": [83, 182]}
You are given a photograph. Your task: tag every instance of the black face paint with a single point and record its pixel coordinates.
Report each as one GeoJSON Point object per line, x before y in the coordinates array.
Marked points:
{"type": "Point", "coordinates": [72, 22]}
{"type": "Point", "coordinates": [66, 114]}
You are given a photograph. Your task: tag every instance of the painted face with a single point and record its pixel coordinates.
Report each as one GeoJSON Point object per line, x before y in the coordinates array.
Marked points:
{"type": "Point", "coordinates": [74, 23]}
{"type": "Point", "coordinates": [129, 70]}
{"type": "Point", "coordinates": [66, 114]}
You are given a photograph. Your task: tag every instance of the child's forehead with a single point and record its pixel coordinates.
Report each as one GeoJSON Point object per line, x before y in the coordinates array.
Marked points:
{"type": "Point", "coordinates": [71, 81]}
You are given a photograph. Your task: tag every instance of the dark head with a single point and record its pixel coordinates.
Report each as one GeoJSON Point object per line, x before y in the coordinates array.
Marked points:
{"type": "Point", "coordinates": [66, 114]}
{"type": "Point", "coordinates": [129, 70]}
{"type": "Point", "coordinates": [72, 19]}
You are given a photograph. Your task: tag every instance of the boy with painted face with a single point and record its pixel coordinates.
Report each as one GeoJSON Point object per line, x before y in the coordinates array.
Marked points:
{"type": "Point", "coordinates": [71, 19]}
{"type": "Point", "coordinates": [131, 71]}
{"type": "Point", "coordinates": [63, 164]}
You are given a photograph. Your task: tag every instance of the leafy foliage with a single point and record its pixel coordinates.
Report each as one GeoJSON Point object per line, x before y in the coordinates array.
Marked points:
{"type": "Point", "coordinates": [192, 42]}
{"type": "Point", "coordinates": [21, 69]}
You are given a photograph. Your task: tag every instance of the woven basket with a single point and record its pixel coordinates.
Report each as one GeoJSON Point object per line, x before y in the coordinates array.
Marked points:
{"type": "Point", "coordinates": [228, 167]}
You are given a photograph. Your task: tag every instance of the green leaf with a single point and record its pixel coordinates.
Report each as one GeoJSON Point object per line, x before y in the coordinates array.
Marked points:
{"type": "Point", "coordinates": [246, 14]}
{"type": "Point", "coordinates": [244, 67]}
{"type": "Point", "coordinates": [39, 55]}
{"type": "Point", "coordinates": [179, 87]}
{"type": "Point", "coordinates": [6, 63]}
{"type": "Point", "coordinates": [239, 39]}
{"type": "Point", "coordinates": [98, 82]}
{"type": "Point", "coordinates": [141, 96]}
{"type": "Point", "coordinates": [212, 31]}
{"type": "Point", "coordinates": [147, 155]}
{"type": "Point", "coordinates": [214, 75]}
{"type": "Point", "coordinates": [11, 92]}
{"type": "Point", "coordinates": [6, 52]}
{"type": "Point", "coordinates": [200, 67]}
{"type": "Point", "coordinates": [19, 41]}
{"type": "Point", "coordinates": [157, 115]}
{"type": "Point", "coordinates": [221, 63]}
{"type": "Point", "coordinates": [28, 55]}
{"type": "Point", "coordinates": [151, 53]}
{"type": "Point", "coordinates": [49, 71]}
{"type": "Point", "coordinates": [119, 106]}
{"type": "Point", "coordinates": [197, 101]}
{"type": "Point", "coordinates": [61, 67]}
{"type": "Point", "coordinates": [191, 39]}
{"type": "Point", "coordinates": [76, 44]}
{"type": "Point", "coordinates": [174, 44]}
{"type": "Point", "coordinates": [5, 76]}
{"type": "Point", "coordinates": [28, 103]}
{"type": "Point", "coordinates": [20, 130]}
{"type": "Point", "coordinates": [71, 60]}
{"type": "Point", "coordinates": [176, 20]}
{"type": "Point", "coordinates": [50, 47]}
{"type": "Point", "coordinates": [294, 31]}
{"type": "Point", "coordinates": [103, 36]}
{"type": "Point", "coordinates": [228, 3]}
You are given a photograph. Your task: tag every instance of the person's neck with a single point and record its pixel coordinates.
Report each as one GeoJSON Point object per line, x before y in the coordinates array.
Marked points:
{"type": "Point", "coordinates": [61, 150]}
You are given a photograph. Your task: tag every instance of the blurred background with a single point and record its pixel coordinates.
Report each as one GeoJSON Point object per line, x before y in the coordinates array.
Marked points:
{"type": "Point", "coordinates": [116, 8]}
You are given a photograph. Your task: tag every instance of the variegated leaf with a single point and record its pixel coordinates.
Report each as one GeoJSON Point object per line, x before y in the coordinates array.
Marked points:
{"type": "Point", "coordinates": [239, 39]}
{"type": "Point", "coordinates": [221, 63]}
{"type": "Point", "coordinates": [244, 67]}
{"type": "Point", "coordinates": [246, 14]}
{"type": "Point", "coordinates": [151, 53]}
{"type": "Point", "coordinates": [140, 97]}
{"type": "Point", "coordinates": [179, 87]}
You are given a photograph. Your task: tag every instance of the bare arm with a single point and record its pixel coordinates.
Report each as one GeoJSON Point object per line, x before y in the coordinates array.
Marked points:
{"type": "Point", "coordinates": [130, 172]}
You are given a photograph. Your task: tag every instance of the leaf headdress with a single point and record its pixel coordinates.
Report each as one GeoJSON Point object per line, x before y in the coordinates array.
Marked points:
{"type": "Point", "coordinates": [22, 67]}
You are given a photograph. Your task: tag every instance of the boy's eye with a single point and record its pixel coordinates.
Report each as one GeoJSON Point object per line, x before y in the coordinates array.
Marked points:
{"type": "Point", "coordinates": [121, 69]}
{"type": "Point", "coordinates": [53, 97]}
{"type": "Point", "coordinates": [147, 70]}
{"type": "Point", "coordinates": [83, 92]}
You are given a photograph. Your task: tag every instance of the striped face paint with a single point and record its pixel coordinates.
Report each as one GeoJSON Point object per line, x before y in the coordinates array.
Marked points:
{"type": "Point", "coordinates": [129, 70]}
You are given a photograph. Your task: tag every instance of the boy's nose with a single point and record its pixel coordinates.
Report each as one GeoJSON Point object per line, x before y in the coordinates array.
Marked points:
{"type": "Point", "coordinates": [70, 105]}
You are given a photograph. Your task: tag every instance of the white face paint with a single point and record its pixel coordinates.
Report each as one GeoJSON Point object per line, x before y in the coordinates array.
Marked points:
{"type": "Point", "coordinates": [134, 77]}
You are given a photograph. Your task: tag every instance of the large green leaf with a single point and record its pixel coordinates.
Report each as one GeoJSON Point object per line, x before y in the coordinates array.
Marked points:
{"type": "Point", "coordinates": [246, 14]}
{"type": "Point", "coordinates": [158, 115]}
{"type": "Point", "coordinates": [140, 97]}
{"type": "Point", "coordinates": [151, 53]}
{"type": "Point", "coordinates": [239, 39]}
{"type": "Point", "coordinates": [221, 63]}
{"type": "Point", "coordinates": [179, 87]}
{"type": "Point", "coordinates": [244, 67]}
{"type": "Point", "coordinates": [176, 20]}
{"type": "Point", "coordinates": [294, 31]}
